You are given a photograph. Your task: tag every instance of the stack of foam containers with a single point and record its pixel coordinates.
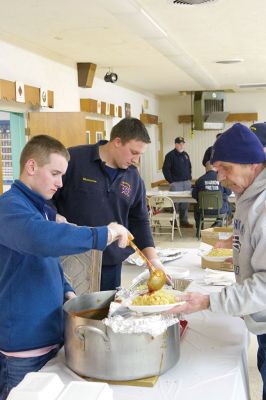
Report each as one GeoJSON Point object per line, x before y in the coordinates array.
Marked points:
{"type": "Point", "coordinates": [47, 385]}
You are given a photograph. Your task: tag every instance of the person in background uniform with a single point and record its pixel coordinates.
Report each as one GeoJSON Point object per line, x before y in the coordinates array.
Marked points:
{"type": "Point", "coordinates": [32, 284]}
{"type": "Point", "coordinates": [208, 152]}
{"type": "Point", "coordinates": [177, 171]}
{"type": "Point", "coordinates": [102, 184]}
{"type": "Point", "coordinates": [260, 131]}
{"type": "Point", "coordinates": [209, 181]}
{"type": "Point", "coordinates": [239, 158]}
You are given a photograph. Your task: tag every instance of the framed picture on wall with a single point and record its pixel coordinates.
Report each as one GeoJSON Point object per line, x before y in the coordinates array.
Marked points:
{"type": "Point", "coordinates": [127, 110]}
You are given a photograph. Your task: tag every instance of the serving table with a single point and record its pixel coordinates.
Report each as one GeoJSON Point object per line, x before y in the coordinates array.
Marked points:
{"type": "Point", "coordinates": [213, 360]}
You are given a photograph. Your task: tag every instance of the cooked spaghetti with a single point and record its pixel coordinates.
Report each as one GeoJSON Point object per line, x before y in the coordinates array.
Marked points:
{"type": "Point", "coordinates": [158, 297]}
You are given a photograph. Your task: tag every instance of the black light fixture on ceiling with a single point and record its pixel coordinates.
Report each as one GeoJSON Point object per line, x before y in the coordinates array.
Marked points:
{"type": "Point", "coordinates": [110, 77]}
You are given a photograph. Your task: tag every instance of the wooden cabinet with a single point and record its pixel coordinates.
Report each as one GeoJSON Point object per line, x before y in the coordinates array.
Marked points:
{"type": "Point", "coordinates": [95, 130]}
{"type": "Point", "coordinates": [68, 127]}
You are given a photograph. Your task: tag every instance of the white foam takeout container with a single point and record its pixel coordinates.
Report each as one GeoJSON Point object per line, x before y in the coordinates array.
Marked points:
{"type": "Point", "coordinates": [37, 386]}
{"type": "Point", "coordinates": [48, 386]}
{"type": "Point", "coordinates": [87, 391]}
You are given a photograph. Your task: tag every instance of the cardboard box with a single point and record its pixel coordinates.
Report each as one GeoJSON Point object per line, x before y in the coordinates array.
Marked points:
{"type": "Point", "coordinates": [213, 235]}
{"type": "Point", "coordinates": [218, 265]}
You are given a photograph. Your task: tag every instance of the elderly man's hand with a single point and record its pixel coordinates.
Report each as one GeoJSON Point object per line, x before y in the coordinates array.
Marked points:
{"type": "Point", "coordinates": [193, 302]}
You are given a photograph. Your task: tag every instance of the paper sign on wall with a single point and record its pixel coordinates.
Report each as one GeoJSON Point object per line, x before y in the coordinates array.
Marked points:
{"type": "Point", "coordinates": [20, 92]}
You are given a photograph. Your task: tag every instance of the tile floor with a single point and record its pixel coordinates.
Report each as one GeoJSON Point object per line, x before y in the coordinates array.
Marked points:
{"type": "Point", "coordinates": [190, 241]}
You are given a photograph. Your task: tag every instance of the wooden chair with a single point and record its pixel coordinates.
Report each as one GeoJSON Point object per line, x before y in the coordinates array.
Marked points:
{"type": "Point", "coordinates": [83, 271]}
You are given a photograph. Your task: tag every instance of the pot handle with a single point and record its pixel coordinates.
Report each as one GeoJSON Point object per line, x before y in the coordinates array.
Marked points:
{"type": "Point", "coordinates": [80, 333]}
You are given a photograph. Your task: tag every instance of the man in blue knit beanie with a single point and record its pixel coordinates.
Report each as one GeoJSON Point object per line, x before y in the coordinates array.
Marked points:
{"type": "Point", "coordinates": [239, 158]}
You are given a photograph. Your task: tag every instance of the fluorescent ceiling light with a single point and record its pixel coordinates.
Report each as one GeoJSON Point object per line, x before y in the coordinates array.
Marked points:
{"type": "Point", "coordinates": [149, 18]}
{"type": "Point", "coordinates": [251, 85]}
{"type": "Point", "coordinates": [230, 61]}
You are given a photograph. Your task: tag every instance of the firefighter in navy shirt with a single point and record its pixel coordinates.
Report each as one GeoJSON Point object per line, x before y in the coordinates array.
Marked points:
{"type": "Point", "coordinates": [102, 183]}
{"type": "Point", "coordinates": [177, 171]}
{"type": "Point", "coordinates": [209, 181]}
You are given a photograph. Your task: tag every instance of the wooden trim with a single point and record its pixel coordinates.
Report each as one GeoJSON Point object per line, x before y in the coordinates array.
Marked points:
{"type": "Point", "coordinates": [242, 117]}
{"type": "Point", "coordinates": [7, 90]}
{"type": "Point", "coordinates": [238, 117]}
{"type": "Point", "coordinates": [185, 119]}
{"type": "Point", "coordinates": [32, 95]}
{"type": "Point", "coordinates": [148, 118]}
{"type": "Point", "coordinates": [50, 99]}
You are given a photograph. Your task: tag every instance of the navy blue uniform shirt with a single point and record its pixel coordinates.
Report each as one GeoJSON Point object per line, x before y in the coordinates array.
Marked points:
{"type": "Point", "coordinates": [209, 181]}
{"type": "Point", "coordinates": [90, 197]}
{"type": "Point", "coordinates": [177, 166]}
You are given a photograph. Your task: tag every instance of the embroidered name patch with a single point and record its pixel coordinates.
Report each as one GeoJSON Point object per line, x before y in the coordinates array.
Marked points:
{"type": "Point", "coordinates": [125, 189]}
{"type": "Point", "coordinates": [89, 180]}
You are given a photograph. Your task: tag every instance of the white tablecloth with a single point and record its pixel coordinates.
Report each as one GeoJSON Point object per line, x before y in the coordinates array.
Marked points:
{"type": "Point", "coordinates": [184, 196]}
{"type": "Point", "coordinates": [213, 361]}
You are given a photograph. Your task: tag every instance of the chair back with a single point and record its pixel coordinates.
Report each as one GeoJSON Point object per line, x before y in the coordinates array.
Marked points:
{"type": "Point", "coordinates": [163, 215]}
{"type": "Point", "coordinates": [159, 203]}
{"type": "Point", "coordinates": [210, 202]}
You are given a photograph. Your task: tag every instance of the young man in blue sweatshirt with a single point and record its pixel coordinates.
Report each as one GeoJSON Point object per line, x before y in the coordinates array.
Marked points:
{"type": "Point", "coordinates": [32, 284]}
{"type": "Point", "coordinates": [102, 184]}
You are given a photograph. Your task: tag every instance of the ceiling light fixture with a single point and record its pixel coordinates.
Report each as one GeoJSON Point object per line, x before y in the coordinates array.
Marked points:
{"type": "Point", "coordinates": [110, 77]}
{"type": "Point", "coordinates": [230, 61]}
{"type": "Point", "coordinates": [251, 85]}
{"type": "Point", "coordinates": [191, 2]}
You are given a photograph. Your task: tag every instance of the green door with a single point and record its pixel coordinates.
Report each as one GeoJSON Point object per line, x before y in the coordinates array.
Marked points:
{"type": "Point", "coordinates": [18, 140]}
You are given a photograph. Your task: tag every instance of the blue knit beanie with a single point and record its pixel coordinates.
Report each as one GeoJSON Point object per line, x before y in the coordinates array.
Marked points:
{"type": "Point", "coordinates": [238, 145]}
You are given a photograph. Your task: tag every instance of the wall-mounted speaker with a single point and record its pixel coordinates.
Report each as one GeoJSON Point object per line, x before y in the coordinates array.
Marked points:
{"type": "Point", "coordinates": [86, 72]}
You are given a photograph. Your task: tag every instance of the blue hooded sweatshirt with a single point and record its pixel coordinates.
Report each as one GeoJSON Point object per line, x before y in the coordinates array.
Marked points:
{"type": "Point", "coordinates": [32, 284]}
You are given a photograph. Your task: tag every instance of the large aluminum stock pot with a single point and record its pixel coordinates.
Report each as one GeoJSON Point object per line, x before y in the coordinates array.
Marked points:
{"type": "Point", "coordinates": [94, 350]}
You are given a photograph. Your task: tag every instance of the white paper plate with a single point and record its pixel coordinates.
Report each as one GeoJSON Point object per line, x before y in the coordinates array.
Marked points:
{"type": "Point", "coordinates": [154, 309]}
{"type": "Point", "coordinates": [216, 259]}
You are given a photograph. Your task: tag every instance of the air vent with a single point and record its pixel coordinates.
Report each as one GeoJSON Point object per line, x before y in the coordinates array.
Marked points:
{"type": "Point", "coordinates": [191, 2]}
{"type": "Point", "coordinates": [209, 110]}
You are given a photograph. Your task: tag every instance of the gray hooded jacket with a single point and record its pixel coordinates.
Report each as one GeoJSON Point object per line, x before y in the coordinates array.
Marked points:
{"type": "Point", "coordinates": [247, 297]}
